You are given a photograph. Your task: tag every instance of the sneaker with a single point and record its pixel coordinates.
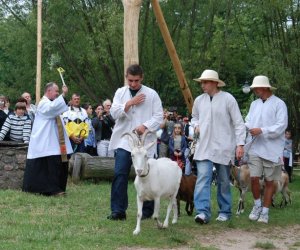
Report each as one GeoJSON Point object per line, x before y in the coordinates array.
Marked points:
{"type": "Point", "coordinates": [201, 218]}
{"type": "Point", "coordinates": [264, 218]}
{"type": "Point", "coordinates": [256, 211]}
{"type": "Point", "coordinates": [222, 217]}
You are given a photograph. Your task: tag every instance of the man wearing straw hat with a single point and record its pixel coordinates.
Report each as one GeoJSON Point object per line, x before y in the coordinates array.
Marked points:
{"type": "Point", "coordinates": [218, 121]}
{"type": "Point", "coordinates": [266, 122]}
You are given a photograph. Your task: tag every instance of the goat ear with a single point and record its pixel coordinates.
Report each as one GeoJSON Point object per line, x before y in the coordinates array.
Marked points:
{"type": "Point", "coordinates": [149, 145]}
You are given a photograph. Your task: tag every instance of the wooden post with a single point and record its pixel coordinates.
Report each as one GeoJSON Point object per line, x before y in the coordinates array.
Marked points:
{"type": "Point", "coordinates": [39, 52]}
{"type": "Point", "coordinates": [173, 55]}
{"type": "Point", "coordinates": [131, 24]}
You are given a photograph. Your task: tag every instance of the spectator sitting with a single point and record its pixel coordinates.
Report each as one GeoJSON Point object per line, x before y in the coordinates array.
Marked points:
{"type": "Point", "coordinates": [18, 124]}
{"type": "Point", "coordinates": [177, 145]}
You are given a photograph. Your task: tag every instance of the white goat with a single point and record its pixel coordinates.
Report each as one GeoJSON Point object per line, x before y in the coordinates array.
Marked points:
{"type": "Point", "coordinates": [154, 179]}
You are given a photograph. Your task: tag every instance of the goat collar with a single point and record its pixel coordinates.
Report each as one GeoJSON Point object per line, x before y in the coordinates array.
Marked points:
{"type": "Point", "coordinates": [148, 170]}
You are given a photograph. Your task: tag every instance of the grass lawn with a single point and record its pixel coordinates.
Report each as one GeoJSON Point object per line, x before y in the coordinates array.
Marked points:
{"type": "Point", "coordinates": [78, 221]}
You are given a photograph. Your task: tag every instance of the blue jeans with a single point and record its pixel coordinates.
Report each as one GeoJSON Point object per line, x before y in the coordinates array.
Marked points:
{"type": "Point", "coordinates": [119, 195]}
{"type": "Point", "coordinates": [202, 193]}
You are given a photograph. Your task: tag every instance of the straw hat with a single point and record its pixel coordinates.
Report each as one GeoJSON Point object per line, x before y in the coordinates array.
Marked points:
{"type": "Point", "coordinates": [261, 82]}
{"type": "Point", "coordinates": [210, 75]}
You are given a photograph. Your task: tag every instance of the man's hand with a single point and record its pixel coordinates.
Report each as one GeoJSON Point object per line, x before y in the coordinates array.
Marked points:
{"type": "Point", "coordinates": [140, 129]}
{"type": "Point", "coordinates": [239, 153]}
{"type": "Point", "coordinates": [197, 131]}
{"type": "Point", "coordinates": [138, 99]}
{"type": "Point", "coordinates": [75, 139]}
{"type": "Point", "coordinates": [255, 131]}
{"type": "Point", "coordinates": [64, 90]}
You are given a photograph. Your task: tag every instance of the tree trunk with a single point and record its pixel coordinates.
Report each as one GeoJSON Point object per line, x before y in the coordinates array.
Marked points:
{"type": "Point", "coordinates": [131, 23]}
{"type": "Point", "coordinates": [83, 166]}
{"type": "Point", "coordinates": [173, 55]}
{"type": "Point", "coordinates": [39, 52]}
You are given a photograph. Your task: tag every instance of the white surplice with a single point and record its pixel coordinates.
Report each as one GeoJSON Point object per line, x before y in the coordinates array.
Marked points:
{"type": "Point", "coordinates": [44, 139]}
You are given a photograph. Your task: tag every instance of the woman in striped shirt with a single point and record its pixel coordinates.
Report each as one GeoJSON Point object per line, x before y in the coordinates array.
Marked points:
{"type": "Point", "coordinates": [17, 124]}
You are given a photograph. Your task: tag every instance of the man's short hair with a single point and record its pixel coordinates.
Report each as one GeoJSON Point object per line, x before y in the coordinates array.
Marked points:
{"type": "Point", "coordinates": [135, 70]}
{"type": "Point", "coordinates": [20, 105]}
{"type": "Point", "coordinates": [75, 94]}
{"type": "Point", "coordinates": [106, 101]}
{"type": "Point", "coordinates": [48, 86]}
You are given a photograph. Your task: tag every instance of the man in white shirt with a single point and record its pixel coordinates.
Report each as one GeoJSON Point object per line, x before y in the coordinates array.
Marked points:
{"type": "Point", "coordinates": [217, 119]}
{"type": "Point", "coordinates": [46, 169]}
{"type": "Point", "coordinates": [135, 107]}
{"type": "Point", "coordinates": [266, 122]}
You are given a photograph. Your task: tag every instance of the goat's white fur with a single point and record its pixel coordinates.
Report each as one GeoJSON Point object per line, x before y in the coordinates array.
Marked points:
{"type": "Point", "coordinates": [154, 179]}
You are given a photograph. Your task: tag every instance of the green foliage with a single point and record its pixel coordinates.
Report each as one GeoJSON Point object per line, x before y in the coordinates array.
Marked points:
{"type": "Point", "coordinates": [239, 39]}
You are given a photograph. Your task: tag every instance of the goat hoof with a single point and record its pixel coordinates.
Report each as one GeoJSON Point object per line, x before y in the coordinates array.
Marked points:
{"type": "Point", "coordinates": [136, 232]}
{"type": "Point", "coordinates": [159, 225]}
{"type": "Point", "coordinates": [174, 221]}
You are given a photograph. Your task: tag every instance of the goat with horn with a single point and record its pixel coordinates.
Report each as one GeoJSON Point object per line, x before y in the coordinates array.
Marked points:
{"type": "Point", "coordinates": [155, 179]}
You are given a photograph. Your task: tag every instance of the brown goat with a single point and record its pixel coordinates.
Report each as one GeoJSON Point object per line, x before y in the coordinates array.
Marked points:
{"type": "Point", "coordinates": [186, 193]}
{"type": "Point", "coordinates": [242, 181]}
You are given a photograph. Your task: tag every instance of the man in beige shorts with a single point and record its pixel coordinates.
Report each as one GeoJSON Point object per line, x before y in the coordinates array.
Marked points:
{"type": "Point", "coordinates": [266, 123]}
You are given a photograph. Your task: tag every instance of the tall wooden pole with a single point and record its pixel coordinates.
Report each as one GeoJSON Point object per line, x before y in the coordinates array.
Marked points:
{"type": "Point", "coordinates": [173, 55]}
{"type": "Point", "coordinates": [39, 52]}
{"type": "Point", "coordinates": [131, 23]}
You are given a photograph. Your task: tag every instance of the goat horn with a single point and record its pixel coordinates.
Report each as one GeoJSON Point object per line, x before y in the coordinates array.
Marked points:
{"type": "Point", "coordinates": [133, 136]}
{"type": "Point", "coordinates": [147, 131]}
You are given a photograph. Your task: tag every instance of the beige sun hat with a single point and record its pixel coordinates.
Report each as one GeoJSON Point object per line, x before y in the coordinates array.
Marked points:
{"type": "Point", "coordinates": [261, 82]}
{"type": "Point", "coordinates": [210, 75]}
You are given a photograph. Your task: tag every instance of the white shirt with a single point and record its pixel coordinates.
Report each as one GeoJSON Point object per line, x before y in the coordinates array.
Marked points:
{"type": "Point", "coordinates": [221, 127]}
{"type": "Point", "coordinates": [44, 139]}
{"type": "Point", "coordinates": [271, 116]}
{"type": "Point", "coordinates": [148, 113]}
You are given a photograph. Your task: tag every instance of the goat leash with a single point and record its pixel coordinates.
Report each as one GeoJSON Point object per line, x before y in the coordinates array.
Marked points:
{"type": "Point", "coordinates": [248, 145]}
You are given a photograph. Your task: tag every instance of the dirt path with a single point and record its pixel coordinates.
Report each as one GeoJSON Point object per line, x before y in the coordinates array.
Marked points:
{"type": "Point", "coordinates": [236, 239]}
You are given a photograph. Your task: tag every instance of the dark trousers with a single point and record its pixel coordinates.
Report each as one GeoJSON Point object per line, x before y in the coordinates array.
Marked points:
{"type": "Point", "coordinates": [288, 168]}
{"type": "Point", "coordinates": [78, 148]}
{"type": "Point", "coordinates": [119, 195]}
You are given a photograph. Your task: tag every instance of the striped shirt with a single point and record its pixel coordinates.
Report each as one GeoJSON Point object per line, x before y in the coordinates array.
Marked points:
{"type": "Point", "coordinates": [18, 126]}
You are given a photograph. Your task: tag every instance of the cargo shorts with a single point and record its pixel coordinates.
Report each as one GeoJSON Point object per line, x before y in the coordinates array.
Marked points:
{"type": "Point", "coordinates": [260, 167]}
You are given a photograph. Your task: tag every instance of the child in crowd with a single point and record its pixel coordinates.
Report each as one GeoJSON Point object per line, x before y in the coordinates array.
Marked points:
{"type": "Point", "coordinates": [177, 145]}
{"type": "Point", "coordinates": [288, 154]}
{"type": "Point", "coordinates": [90, 141]}
{"type": "Point", "coordinates": [18, 125]}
